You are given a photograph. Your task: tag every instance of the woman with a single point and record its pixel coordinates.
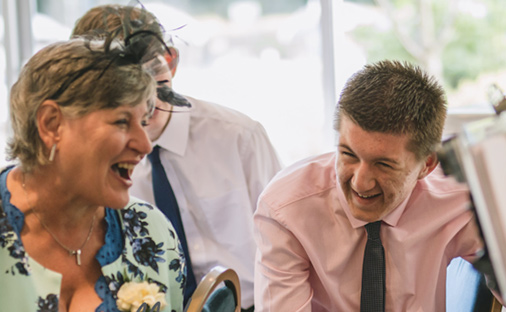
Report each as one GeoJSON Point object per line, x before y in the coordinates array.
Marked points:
{"type": "Point", "coordinates": [70, 235]}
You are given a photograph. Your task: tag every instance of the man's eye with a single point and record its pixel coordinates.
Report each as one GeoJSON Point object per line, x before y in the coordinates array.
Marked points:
{"type": "Point", "coordinates": [145, 123]}
{"type": "Point", "coordinates": [121, 122]}
{"type": "Point", "coordinates": [385, 165]}
{"type": "Point", "coordinates": [347, 154]}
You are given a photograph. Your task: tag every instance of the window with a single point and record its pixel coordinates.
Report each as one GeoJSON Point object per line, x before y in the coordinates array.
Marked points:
{"type": "Point", "coordinates": [267, 58]}
{"type": "Point", "coordinates": [460, 42]}
{"type": "Point", "coordinates": [262, 58]}
{"type": "Point", "coordinates": [3, 69]}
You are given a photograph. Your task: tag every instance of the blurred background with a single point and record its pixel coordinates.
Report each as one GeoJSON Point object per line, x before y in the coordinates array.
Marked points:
{"type": "Point", "coordinates": [284, 62]}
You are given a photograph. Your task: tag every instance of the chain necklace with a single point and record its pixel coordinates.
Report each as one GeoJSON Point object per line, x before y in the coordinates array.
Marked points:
{"type": "Point", "coordinates": [72, 252]}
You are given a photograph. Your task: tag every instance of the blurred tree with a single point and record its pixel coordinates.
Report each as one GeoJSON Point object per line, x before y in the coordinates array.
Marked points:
{"type": "Point", "coordinates": [452, 39]}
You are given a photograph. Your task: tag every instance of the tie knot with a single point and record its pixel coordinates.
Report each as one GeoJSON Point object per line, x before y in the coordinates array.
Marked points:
{"type": "Point", "coordinates": [154, 156]}
{"type": "Point", "coordinates": [373, 230]}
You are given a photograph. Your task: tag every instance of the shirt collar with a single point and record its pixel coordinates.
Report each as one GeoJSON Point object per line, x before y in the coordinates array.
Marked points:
{"type": "Point", "coordinates": [175, 136]}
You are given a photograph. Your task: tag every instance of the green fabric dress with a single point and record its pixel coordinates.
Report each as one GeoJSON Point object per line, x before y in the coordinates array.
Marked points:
{"type": "Point", "coordinates": [151, 252]}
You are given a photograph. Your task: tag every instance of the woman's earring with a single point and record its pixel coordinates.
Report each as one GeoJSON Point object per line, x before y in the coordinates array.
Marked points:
{"type": "Point", "coordinates": [53, 151]}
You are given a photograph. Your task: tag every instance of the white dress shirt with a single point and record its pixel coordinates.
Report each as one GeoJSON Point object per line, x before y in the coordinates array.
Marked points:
{"type": "Point", "coordinates": [218, 161]}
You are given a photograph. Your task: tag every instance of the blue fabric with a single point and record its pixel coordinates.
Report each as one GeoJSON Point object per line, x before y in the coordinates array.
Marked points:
{"type": "Point", "coordinates": [107, 254]}
{"type": "Point", "coordinates": [167, 203]}
{"type": "Point", "coordinates": [14, 216]}
{"type": "Point", "coordinates": [462, 283]}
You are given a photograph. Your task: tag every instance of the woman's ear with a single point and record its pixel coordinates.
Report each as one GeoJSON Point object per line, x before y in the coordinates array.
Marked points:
{"type": "Point", "coordinates": [430, 164]}
{"type": "Point", "coordinates": [49, 120]}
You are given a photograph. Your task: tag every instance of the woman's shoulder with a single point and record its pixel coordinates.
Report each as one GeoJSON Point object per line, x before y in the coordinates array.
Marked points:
{"type": "Point", "coordinates": [151, 253]}
{"type": "Point", "coordinates": [139, 213]}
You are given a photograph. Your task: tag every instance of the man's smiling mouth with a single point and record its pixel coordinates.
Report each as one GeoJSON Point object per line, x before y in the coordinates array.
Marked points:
{"type": "Point", "coordinates": [367, 196]}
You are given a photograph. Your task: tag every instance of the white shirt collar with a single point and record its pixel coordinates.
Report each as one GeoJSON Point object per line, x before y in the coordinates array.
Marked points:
{"type": "Point", "coordinates": [175, 136]}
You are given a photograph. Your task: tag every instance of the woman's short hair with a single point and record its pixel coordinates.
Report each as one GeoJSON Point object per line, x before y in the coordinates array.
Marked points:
{"type": "Point", "coordinates": [81, 76]}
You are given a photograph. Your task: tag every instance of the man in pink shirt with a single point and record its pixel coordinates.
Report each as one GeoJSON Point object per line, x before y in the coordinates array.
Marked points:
{"type": "Point", "coordinates": [310, 221]}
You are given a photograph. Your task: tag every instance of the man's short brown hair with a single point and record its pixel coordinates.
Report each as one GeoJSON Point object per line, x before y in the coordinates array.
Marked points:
{"type": "Point", "coordinates": [398, 98]}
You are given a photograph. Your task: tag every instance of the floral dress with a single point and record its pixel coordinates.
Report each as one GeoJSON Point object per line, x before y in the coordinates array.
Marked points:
{"type": "Point", "coordinates": [140, 245]}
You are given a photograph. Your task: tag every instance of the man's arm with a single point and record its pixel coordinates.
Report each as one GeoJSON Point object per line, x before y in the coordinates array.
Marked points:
{"type": "Point", "coordinates": [281, 266]}
{"type": "Point", "coordinates": [260, 161]}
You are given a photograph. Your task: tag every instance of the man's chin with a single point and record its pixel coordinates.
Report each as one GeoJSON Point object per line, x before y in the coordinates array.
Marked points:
{"type": "Point", "coordinates": [365, 215]}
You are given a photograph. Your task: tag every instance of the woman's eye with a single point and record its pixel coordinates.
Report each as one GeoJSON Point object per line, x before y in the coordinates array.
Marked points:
{"type": "Point", "coordinates": [145, 123]}
{"type": "Point", "coordinates": [121, 122]}
{"type": "Point", "coordinates": [347, 154]}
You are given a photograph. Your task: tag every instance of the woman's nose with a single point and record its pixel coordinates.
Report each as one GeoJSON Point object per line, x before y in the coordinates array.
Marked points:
{"type": "Point", "coordinates": [140, 141]}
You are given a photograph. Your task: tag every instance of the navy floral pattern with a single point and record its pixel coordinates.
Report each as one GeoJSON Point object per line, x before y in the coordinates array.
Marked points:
{"type": "Point", "coordinates": [9, 240]}
{"type": "Point", "coordinates": [146, 252]}
{"type": "Point", "coordinates": [49, 304]}
{"type": "Point", "coordinates": [133, 222]}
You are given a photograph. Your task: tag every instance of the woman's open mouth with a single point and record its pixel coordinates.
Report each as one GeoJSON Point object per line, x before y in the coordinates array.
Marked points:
{"type": "Point", "coordinates": [124, 170]}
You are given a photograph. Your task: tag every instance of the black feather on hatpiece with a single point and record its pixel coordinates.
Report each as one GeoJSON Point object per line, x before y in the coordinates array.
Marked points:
{"type": "Point", "coordinates": [166, 94]}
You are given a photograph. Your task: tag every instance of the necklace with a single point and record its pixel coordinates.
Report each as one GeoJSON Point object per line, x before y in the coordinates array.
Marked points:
{"type": "Point", "coordinates": [72, 252]}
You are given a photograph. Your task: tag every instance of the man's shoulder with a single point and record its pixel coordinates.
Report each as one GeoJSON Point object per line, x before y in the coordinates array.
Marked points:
{"type": "Point", "coordinates": [436, 191]}
{"type": "Point", "coordinates": [437, 182]}
{"type": "Point", "coordinates": [213, 112]}
{"type": "Point", "coordinates": [306, 178]}
{"type": "Point", "coordinates": [140, 209]}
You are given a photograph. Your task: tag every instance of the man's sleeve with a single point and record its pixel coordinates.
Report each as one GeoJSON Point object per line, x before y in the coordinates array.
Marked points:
{"type": "Point", "coordinates": [260, 161]}
{"type": "Point", "coordinates": [281, 266]}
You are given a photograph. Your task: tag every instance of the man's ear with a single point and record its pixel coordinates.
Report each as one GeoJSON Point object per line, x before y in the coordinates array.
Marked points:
{"type": "Point", "coordinates": [49, 120]}
{"type": "Point", "coordinates": [430, 164]}
{"type": "Point", "coordinates": [172, 59]}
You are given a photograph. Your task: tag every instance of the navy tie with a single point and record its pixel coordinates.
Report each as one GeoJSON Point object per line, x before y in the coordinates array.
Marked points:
{"type": "Point", "coordinates": [167, 203]}
{"type": "Point", "coordinates": [373, 271]}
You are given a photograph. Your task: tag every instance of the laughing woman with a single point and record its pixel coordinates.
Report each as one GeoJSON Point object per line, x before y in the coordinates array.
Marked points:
{"type": "Point", "coordinates": [71, 237]}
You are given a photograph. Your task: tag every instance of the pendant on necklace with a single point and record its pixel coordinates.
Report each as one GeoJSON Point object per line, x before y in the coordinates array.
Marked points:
{"type": "Point", "coordinates": [76, 253]}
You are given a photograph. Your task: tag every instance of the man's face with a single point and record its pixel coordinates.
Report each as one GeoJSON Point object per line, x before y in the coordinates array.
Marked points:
{"type": "Point", "coordinates": [375, 170]}
{"type": "Point", "coordinates": [160, 119]}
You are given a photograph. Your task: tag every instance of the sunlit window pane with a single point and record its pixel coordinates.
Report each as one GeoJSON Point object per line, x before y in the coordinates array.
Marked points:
{"type": "Point", "coordinates": [460, 42]}
{"type": "Point", "coordinates": [262, 58]}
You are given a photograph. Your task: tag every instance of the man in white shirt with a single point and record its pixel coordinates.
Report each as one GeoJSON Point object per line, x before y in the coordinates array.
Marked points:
{"type": "Point", "coordinates": [217, 161]}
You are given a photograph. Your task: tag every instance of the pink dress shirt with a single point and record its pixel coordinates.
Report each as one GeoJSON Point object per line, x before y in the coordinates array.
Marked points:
{"type": "Point", "coordinates": [310, 248]}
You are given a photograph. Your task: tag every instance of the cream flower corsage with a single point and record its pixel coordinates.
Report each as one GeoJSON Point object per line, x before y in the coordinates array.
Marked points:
{"type": "Point", "coordinates": [140, 296]}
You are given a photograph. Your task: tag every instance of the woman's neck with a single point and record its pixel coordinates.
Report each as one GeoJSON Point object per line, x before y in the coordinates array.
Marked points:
{"type": "Point", "coordinates": [43, 193]}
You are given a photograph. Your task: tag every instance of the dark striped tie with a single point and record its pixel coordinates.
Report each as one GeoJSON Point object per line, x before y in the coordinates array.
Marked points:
{"type": "Point", "coordinates": [373, 271]}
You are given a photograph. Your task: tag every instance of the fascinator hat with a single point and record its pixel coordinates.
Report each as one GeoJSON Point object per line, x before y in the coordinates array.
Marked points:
{"type": "Point", "coordinates": [142, 38]}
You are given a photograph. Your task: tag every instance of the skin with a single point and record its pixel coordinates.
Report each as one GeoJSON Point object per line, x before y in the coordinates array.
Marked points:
{"type": "Point", "coordinates": [376, 171]}
{"type": "Point", "coordinates": [160, 119]}
{"type": "Point", "coordinates": [91, 145]}
{"type": "Point", "coordinates": [74, 188]}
